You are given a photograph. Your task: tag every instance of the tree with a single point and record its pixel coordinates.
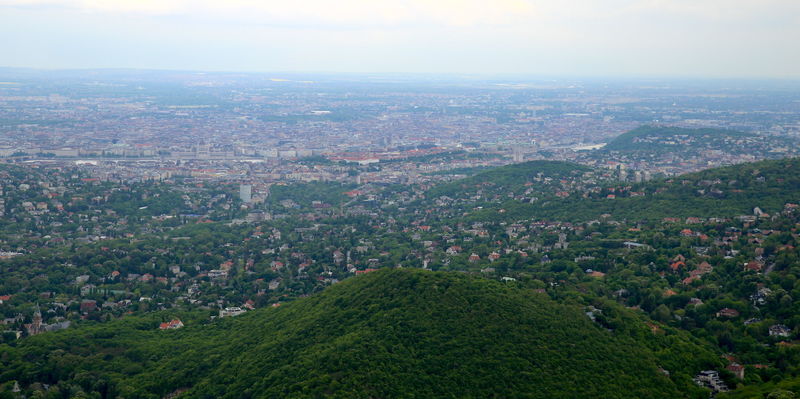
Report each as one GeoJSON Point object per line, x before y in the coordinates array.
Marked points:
{"type": "Point", "coordinates": [661, 313]}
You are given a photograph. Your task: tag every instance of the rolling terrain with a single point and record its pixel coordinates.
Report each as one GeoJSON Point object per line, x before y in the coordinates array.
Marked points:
{"type": "Point", "coordinates": [390, 333]}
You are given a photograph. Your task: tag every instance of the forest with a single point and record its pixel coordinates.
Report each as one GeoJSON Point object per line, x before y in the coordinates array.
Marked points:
{"type": "Point", "coordinates": [390, 333]}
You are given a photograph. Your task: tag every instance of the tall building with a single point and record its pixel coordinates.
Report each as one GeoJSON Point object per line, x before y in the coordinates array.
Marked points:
{"type": "Point", "coordinates": [518, 156]}
{"type": "Point", "coordinates": [246, 193]}
{"type": "Point", "coordinates": [622, 174]}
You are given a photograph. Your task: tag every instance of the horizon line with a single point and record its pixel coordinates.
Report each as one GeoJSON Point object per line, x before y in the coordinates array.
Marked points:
{"type": "Point", "coordinates": [449, 74]}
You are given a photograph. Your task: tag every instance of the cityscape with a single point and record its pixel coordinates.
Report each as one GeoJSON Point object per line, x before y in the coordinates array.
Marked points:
{"type": "Point", "coordinates": [399, 199]}
{"type": "Point", "coordinates": [262, 129]}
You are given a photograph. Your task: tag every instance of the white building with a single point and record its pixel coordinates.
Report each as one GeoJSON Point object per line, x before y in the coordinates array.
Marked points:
{"type": "Point", "coordinates": [246, 193]}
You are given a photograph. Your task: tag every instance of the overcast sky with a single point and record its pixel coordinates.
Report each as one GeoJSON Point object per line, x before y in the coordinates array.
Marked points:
{"type": "Point", "coordinates": [698, 38]}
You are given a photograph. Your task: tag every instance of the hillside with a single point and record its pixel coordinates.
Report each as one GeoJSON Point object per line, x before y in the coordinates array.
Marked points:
{"type": "Point", "coordinates": [390, 333]}
{"type": "Point", "coordinates": [721, 192]}
{"type": "Point", "coordinates": [782, 390]}
{"type": "Point", "coordinates": [533, 175]}
{"type": "Point", "coordinates": [658, 140]}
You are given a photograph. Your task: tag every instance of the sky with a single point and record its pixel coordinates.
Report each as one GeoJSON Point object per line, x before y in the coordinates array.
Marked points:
{"type": "Point", "coordinates": [613, 38]}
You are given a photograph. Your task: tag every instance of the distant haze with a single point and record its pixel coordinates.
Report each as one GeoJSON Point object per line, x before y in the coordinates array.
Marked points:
{"type": "Point", "coordinates": [697, 38]}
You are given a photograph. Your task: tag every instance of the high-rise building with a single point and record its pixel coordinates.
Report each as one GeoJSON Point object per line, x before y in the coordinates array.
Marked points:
{"type": "Point", "coordinates": [518, 156]}
{"type": "Point", "coordinates": [622, 174]}
{"type": "Point", "coordinates": [246, 193]}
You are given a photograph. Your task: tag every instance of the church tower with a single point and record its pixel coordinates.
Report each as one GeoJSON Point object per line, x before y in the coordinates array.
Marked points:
{"type": "Point", "coordinates": [36, 326]}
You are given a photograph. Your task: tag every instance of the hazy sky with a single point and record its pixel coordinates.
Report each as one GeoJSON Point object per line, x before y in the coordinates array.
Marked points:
{"type": "Point", "coordinates": [715, 38]}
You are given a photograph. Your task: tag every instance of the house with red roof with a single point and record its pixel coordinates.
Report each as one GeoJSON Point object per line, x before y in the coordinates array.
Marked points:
{"type": "Point", "coordinates": [737, 370]}
{"type": "Point", "coordinates": [689, 280]}
{"type": "Point", "coordinates": [677, 265]}
{"type": "Point", "coordinates": [754, 266]}
{"type": "Point", "coordinates": [171, 325]}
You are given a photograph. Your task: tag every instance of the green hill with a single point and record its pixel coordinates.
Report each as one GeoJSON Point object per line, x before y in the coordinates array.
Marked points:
{"type": "Point", "coordinates": [721, 192]}
{"type": "Point", "coordinates": [387, 334]}
{"type": "Point", "coordinates": [536, 175]}
{"type": "Point", "coordinates": [656, 139]}
{"type": "Point", "coordinates": [669, 142]}
{"type": "Point", "coordinates": [782, 390]}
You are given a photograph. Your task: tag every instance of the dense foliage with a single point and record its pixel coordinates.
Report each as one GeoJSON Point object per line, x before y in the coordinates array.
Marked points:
{"type": "Point", "coordinates": [391, 333]}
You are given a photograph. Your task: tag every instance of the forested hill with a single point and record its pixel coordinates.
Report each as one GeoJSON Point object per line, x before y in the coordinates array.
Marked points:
{"type": "Point", "coordinates": [721, 192]}
{"type": "Point", "coordinates": [663, 139]}
{"type": "Point", "coordinates": [517, 178]}
{"type": "Point", "coordinates": [662, 143]}
{"type": "Point", "coordinates": [389, 333]}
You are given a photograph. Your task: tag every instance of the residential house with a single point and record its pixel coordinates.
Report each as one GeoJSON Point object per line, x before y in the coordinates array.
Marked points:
{"type": "Point", "coordinates": [171, 325]}
{"type": "Point", "coordinates": [728, 312]}
{"type": "Point", "coordinates": [779, 330]}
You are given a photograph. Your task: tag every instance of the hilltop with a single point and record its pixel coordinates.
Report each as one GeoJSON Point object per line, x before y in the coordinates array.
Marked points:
{"type": "Point", "coordinates": [390, 333]}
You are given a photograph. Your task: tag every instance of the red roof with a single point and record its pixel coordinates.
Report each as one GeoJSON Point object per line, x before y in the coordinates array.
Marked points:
{"type": "Point", "coordinates": [688, 280]}
{"type": "Point", "coordinates": [735, 367]}
{"type": "Point", "coordinates": [754, 266]}
{"type": "Point", "coordinates": [677, 265]}
{"type": "Point", "coordinates": [176, 323]}
{"type": "Point", "coordinates": [365, 271]}
{"type": "Point", "coordinates": [353, 193]}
